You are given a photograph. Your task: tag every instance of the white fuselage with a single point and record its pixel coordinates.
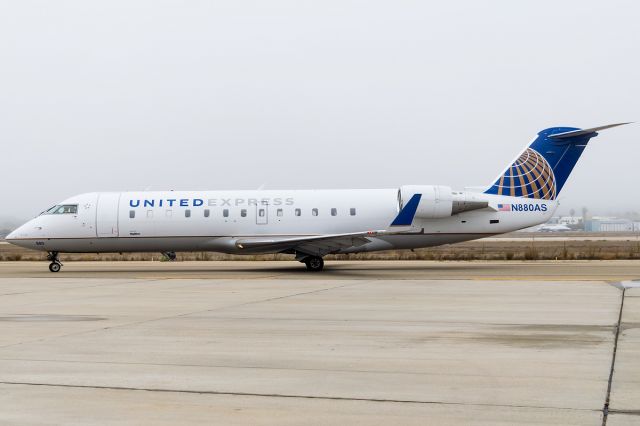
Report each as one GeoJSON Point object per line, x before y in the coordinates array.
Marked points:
{"type": "Point", "coordinates": [215, 220]}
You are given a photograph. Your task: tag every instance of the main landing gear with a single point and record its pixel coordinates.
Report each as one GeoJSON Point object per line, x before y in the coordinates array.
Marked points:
{"type": "Point", "coordinates": [314, 263]}
{"type": "Point", "coordinates": [55, 264]}
{"type": "Point", "coordinates": [170, 255]}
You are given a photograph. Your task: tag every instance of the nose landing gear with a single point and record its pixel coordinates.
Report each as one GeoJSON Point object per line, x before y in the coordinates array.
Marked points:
{"type": "Point", "coordinates": [55, 264]}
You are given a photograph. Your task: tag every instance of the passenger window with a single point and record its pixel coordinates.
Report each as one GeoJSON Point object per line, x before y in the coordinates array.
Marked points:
{"type": "Point", "coordinates": [149, 214]}
{"type": "Point", "coordinates": [206, 212]}
{"type": "Point", "coordinates": [225, 212]}
{"type": "Point", "coordinates": [132, 214]}
{"type": "Point", "coordinates": [243, 212]}
{"type": "Point", "coordinates": [298, 212]}
{"type": "Point", "coordinates": [279, 212]}
{"type": "Point", "coordinates": [314, 212]}
{"type": "Point", "coordinates": [187, 213]}
{"type": "Point", "coordinates": [352, 211]}
{"type": "Point", "coordinates": [334, 212]}
{"type": "Point", "coordinates": [261, 212]}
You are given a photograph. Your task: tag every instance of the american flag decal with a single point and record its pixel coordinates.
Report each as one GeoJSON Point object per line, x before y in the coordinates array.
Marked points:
{"type": "Point", "coordinates": [504, 207]}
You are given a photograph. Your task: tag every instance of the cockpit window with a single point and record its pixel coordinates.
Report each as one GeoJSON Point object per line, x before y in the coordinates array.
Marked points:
{"type": "Point", "coordinates": [63, 209]}
{"type": "Point", "coordinates": [47, 210]}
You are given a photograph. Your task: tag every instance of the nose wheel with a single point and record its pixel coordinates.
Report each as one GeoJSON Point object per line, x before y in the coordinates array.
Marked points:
{"type": "Point", "coordinates": [55, 264]}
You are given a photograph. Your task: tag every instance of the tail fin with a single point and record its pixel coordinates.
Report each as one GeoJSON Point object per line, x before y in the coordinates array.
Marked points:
{"type": "Point", "coordinates": [543, 168]}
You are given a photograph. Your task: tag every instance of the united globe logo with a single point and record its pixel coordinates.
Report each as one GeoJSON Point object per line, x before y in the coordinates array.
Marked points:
{"type": "Point", "coordinates": [529, 176]}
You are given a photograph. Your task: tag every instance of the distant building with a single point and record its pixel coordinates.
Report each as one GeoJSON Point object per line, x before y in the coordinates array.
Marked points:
{"type": "Point", "coordinates": [570, 220]}
{"type": "Point", "coordinates": [610, 225]}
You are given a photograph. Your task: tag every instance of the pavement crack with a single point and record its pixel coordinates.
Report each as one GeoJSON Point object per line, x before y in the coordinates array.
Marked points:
{"type": "Point", "coordinates": [296, 396]}
{"type": "Point", "coordinates": [626, 412]}
{"type": "Point", "coordinates": [605, 408]}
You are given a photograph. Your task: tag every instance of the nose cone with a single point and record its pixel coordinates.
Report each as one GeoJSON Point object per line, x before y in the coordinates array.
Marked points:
{"type": "Point", "coordinates": [20, 236]}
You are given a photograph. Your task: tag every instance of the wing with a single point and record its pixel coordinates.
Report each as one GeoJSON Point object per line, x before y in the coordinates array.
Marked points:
{"type": "Point", "coordinates": [317, 245]}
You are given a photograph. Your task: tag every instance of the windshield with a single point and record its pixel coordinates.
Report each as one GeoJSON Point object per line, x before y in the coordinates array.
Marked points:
{"type": "Point", "coordinates": [47, 210]}
{"type": "Point", "coordinates": [63, 209]}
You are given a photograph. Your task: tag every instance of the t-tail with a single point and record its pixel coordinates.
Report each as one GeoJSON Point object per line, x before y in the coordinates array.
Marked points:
{"type": "Point", "coordinates": [544, 166]}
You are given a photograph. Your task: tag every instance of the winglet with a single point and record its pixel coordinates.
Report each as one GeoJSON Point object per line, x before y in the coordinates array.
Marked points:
{"type": "Point", "coordinates": [405, 217]}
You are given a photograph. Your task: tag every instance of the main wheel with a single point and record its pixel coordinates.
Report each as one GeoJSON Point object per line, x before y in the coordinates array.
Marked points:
{"type": "Point", "coordinates": [314, 263]}
{"type": "Point", "coordinates": [54, 267]}
{"type": "Point", "coordinates": [170, 255]}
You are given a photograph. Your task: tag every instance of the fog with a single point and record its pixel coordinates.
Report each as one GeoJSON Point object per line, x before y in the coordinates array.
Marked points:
{"type": "Point", "coordinates": [134, 95]}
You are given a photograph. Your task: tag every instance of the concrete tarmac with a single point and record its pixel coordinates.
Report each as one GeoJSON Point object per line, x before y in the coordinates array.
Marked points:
{"type": "Point", "coordinates": [362, 343]}
{"type": "Point", "coordinates": [616, 270]}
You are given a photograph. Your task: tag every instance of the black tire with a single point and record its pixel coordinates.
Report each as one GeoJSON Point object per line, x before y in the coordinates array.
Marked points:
{"type": "Point", "coordinates": [54, 267]}
{"type": "Point", "coordinates": [170, 255]}
{"type": "Point", "coordinates": [314, 263]}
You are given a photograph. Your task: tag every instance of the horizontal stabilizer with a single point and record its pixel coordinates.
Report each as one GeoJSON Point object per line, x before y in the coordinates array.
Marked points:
{"type": "Point", "coordinates": [582, 132]}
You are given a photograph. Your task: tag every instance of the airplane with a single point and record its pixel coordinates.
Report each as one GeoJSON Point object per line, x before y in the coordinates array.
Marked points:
{"type": "Point", "coordinates": [554, 228]}
{"type": "Point", "coordinates": [311, 224]}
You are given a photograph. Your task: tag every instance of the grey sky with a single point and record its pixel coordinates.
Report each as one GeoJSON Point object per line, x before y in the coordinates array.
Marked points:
{"type": "Point", "coordinates": [126, 95]}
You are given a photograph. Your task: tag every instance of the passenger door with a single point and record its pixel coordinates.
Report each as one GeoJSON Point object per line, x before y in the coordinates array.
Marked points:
{"type": "Point", "coordinates": [107, 214]}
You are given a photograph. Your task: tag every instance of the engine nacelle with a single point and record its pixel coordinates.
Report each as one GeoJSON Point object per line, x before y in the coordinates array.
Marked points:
{"type": "Point", "coordinates": [439, 201]}
{"type": "Point", "coordinates": [436, 201]}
